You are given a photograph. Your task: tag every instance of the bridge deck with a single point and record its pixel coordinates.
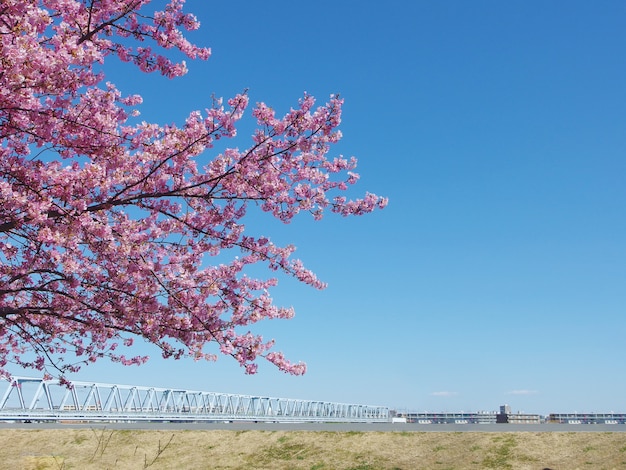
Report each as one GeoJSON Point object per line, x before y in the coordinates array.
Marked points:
{"type": "Point", "coordinates": [26, 398]}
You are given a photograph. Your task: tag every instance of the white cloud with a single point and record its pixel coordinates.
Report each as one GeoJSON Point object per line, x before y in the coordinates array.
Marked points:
{"type": "Point", "coordinates": [444, 394]}
{"type": "Point", "coordinates": [522, 392]}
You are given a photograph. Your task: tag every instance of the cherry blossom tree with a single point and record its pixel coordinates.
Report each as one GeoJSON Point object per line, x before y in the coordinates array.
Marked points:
{"type": "Point", "coordinates": [114, 229]}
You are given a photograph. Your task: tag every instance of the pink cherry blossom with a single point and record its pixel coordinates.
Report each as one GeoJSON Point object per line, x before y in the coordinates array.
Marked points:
{"type": "Point", "coordinates": [112, 230]}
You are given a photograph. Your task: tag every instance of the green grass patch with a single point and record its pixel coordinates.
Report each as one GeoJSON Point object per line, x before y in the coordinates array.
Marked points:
{"type": "Point", "coordinates": [500, 455]}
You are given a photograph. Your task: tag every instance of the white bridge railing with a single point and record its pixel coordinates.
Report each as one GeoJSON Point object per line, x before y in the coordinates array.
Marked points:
{"type": "Point", "coordinates": [48, 400]}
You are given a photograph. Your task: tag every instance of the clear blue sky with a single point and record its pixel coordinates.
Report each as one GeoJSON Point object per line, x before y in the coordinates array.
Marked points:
{"type": "Point", "coordinates": [498, 131]}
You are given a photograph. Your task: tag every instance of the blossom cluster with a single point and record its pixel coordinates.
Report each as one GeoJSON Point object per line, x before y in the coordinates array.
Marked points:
{"type": "Point", "coordinates": [112, 231]}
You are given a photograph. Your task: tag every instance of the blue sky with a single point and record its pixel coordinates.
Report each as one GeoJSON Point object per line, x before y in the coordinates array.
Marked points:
{"type": "Point", "coordinates": [497, 274]}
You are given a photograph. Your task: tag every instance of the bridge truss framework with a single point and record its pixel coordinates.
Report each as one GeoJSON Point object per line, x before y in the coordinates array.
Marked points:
{"type": "Point", "coordinates": [26, 398]}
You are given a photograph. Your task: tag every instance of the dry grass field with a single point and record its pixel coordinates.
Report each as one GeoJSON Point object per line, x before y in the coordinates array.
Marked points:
{"type": "Point", "coordinates": [121, 449]}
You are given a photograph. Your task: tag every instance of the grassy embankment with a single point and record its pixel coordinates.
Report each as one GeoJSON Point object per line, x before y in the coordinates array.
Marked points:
{"type": "Point", "coordinates": [121, 449]}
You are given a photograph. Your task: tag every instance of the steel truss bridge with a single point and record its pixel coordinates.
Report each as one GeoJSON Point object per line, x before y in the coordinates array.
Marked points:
{"type": "Point", "coordinates": [33, 399]}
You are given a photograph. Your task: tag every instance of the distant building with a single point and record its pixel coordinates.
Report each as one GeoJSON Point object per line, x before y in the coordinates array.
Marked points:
{"type": "Point", "coordinates": [524, 418]}
{"type": "Point", "coordinates": [587, 418]}
{"type": "Point", "coordinates": [479, 417]}
{"type": "Point", "coordinates": [505, 416]}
